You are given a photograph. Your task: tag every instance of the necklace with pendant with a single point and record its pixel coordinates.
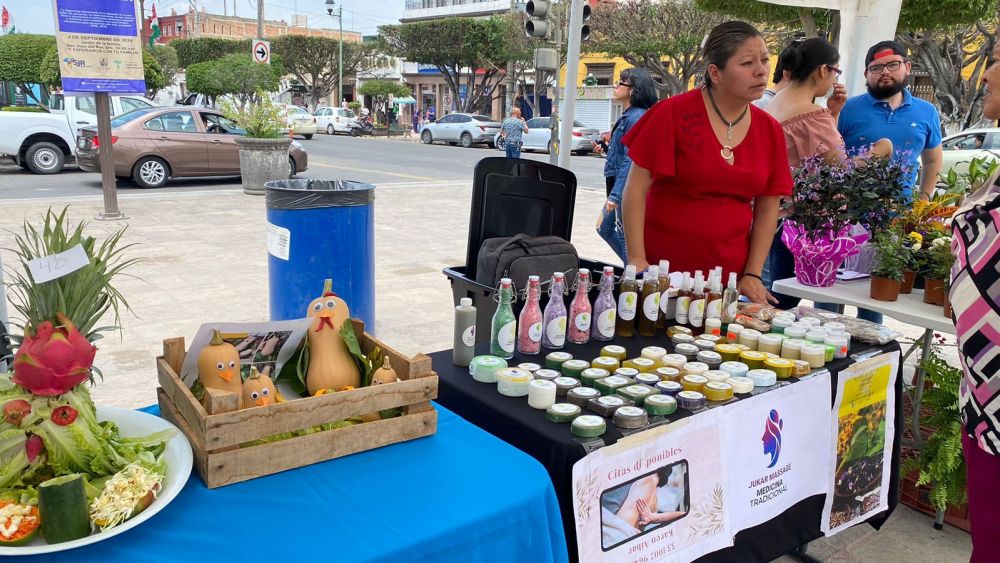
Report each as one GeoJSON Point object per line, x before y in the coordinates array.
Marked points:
{"type": "Point", "coordinates": [727, 150]}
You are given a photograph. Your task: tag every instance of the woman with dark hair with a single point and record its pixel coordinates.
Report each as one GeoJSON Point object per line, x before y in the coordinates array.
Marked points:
{"type": "Point", "coordinates": [708, 169]}
{"type": "Point", "coordinates": [637, 93]}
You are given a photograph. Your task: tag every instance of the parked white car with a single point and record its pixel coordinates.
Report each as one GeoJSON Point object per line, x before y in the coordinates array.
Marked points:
{"type": "Point", "coordinates": [334, 120]}
{"type": "Point", "coordinates": [42, 142]}
{"type": "Point", "coordinates": [539, 136]}
{"type": "Point", "coordinates": [959, 149]}
{"type": "Point", "coordinates": [300, 121]}
{"type": "Point", "coordinates": [465, 128]}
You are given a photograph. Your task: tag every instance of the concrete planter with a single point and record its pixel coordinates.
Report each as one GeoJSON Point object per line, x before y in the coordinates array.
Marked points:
{"type": "Point", "coordinates": [262, 160]}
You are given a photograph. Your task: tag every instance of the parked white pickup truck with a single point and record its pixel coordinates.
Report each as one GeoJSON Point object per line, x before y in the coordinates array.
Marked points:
{"type": "Point", "coordinates": [42, 142]}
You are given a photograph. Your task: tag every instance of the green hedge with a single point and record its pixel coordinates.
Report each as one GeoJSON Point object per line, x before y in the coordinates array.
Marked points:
{"type": "Point", "coordinates": [27, 109]}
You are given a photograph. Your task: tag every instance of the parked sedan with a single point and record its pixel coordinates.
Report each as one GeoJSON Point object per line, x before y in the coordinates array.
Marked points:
{"type": "Point", "coordinates": [960, 148]}
{"type": "Point", "coordinates": [334, 120]}
{"type": "Point", "coordinates": [155, 144]}
{"type": "Point", "coordinates": [539, 137]}
{"type": "Point", "coordinates": [300, 122]}
{"type": "Point", "coordinates": [465, 128]}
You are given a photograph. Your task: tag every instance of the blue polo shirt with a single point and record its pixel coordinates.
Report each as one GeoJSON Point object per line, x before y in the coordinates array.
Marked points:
{"type": "Point", "coordinates": [912, 127]}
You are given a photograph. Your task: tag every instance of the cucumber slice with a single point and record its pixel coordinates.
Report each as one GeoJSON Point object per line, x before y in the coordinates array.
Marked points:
{"type": "Point", "coordinates": [62, 505]}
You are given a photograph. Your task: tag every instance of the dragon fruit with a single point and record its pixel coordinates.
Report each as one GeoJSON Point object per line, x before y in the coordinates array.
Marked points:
{"type": "Point", "coordinates": [54, 359]}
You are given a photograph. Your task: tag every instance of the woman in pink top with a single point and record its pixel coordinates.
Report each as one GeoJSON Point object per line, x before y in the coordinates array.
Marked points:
{"type": "Point", "coordinates": [810, 130]}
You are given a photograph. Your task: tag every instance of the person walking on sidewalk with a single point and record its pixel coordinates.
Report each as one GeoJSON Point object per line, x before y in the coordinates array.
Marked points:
{"type": "Point", "coordinates": [511, 131]}
{"type": "Point", "coordinates": [637, 93]}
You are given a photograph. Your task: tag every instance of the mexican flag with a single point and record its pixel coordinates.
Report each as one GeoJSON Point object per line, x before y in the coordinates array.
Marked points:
{"type": "Point", "coordinates": [154, 28]}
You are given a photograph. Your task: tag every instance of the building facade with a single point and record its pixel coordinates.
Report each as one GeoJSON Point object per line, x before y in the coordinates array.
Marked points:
{"type": "Point", "coordinates": [203, 24]}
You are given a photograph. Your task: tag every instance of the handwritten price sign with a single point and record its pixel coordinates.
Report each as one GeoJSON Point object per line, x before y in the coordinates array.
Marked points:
{"type": "Point", "coordinates": [55, 266]}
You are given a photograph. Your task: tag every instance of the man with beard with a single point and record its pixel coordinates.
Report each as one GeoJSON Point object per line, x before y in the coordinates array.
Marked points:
{"type": "Point", "coordinates": [889, 111]}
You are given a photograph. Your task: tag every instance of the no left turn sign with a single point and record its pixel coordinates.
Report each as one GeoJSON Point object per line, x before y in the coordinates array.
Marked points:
{"type": "Point", "coordinates": [261, 51]}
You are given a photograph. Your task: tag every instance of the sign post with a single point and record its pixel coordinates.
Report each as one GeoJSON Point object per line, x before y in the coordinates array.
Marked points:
{"type": "Point", "coordinates": [261, 51]}
{"type": "Point", "coordinates": [100, 53]}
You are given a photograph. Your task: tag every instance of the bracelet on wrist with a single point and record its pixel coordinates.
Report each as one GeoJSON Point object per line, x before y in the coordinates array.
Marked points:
{"type": "Point", "coordinates": [752, 275]}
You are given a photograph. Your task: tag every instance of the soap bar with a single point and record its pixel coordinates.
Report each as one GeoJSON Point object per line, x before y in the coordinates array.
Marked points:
{"type": "Point", "coordinates": [762, 377]}
{"type": "Point", "coordinates": [677, 329]}
{"type": "Point", "coordinates": [564, 384]}
{"type": "Point", "coordinates": [741, 385]}
{"type": "Point", "coordinates": [654, 353]}
{"type": "Point", "coordinates": [573, 368]}
{"type": "Point", "coordinates": [675, 361]}
{"type": "Point", "coordinates": [627, 372]}
{"type": "Point", "coordinates": [669, 387]}
{"type": "Point", "coordinates": [614, 351]}
{"type": "Point", "coordinates": [630, 417]}
{"type": "Point", "coordinates": [555, 360]}
{"type": "Point", "coordinates": [728, 352]}
{"type": "Point", "coordinates": [636, 393]}
{"type": "Point", "coordinates": [769, 343]}
{"type": "Point", "coordinates": [588, 426]}
{"type": "Point", "coordinates": [691, 400]}
{"type": "Point", "coordinates": [606, 406]}
{"type": "Point", "coordinates": [693, 382]}
{"type": "Point", "coordinates": [609, 385]}
{"type": "Point", "coordinates": [529, 367]}
{"type": "Point", "coordinates": [711, 358]}
{"type": "Point", "coordinates": [484, 368]}
{"type": "Point", "coordinates": [748, 337]}
{"type": "Point", "coordinates": [713, 338]}
{"type": "Point", "coordinates": [689, 351]}
{"type": "Point", "coordinates": [580, 395]}
{"type": "Point", "coordinates": [547, 374]}
{"type": "Point", "coordinates": [682, 338]}
{"type": "Point", "coordinates": [695, 368]}
{"type": "Point", "coordinates": [780, 366]}
{"type": "Point", "coordinates": [703, 344]}
{"type": "Point", "coordinates": [605, 363]}
{"type": "Point", "coordinates": [717, 391]}
{"type": "Point", "coordinates": [660, 405]}
{"type": "Point", "coordinates": [753, 359]}
{"type": "Point", "coordinates": [669, 374]}
{"type": "Point", "coordinates": [791, 348]}
{"type": "Point", "coordinates": [644, 365]}
{"type": "Point", "coordinates": [735, 369]}
{"type": "Point", "coordinates": [815, 354]}
{"type": "Point", "coordinates": [541, 394]}
{"type": "Point", "coordinates": [801, 368]}
{"type": "Point", "coordinates": [562, 412]}
{"type": "Point", "coordinates": [590, 375]}
{"type": "Point", "coordinates": [650, 379]}
{"type": "Point", "coordinates": [716, 375]}
{"type": "Point", "coordinates": [513, 382]}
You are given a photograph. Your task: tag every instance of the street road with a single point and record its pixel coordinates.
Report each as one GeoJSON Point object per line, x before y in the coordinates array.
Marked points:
{"type": "Point", "coordinates": [365, 159]}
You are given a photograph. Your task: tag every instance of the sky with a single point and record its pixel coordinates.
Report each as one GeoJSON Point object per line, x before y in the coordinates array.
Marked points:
{"type": "Point", "coordinates": [363, 16]}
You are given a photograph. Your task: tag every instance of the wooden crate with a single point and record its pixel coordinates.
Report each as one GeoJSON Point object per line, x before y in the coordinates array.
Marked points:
{"type": "Point", "coordinates": [215, 438]}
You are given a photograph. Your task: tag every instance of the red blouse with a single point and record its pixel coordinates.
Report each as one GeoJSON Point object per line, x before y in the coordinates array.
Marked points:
{"type": "Point", "coordinates": [699, 208]}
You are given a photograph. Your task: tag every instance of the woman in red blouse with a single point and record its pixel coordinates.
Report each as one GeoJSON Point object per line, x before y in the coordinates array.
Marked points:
{"type": "Point", "coordinates": [708, 169]}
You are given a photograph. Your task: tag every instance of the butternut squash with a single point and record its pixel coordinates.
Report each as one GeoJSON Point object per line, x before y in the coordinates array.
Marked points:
{"type": "Point", "coordinates": [219, 366]}
{"type": "Point", "coordinates": [258, 390]}
{"type": "Point", "coordinates": [382, 375]}
{"type": "Point", "coordinates": [331, 365]}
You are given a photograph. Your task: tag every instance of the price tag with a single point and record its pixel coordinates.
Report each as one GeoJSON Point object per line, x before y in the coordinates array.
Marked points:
{"type": "Point", "coordinates": [56, 266]}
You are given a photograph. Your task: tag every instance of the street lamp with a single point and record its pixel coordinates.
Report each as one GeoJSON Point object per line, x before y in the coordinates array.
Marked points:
{"type": "Point", "coordinates": [340, 48]}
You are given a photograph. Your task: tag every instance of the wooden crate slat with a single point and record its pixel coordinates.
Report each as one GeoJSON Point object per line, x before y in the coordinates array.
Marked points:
{"type": "Point", "coordinates": [248, 463]}
{"type": "Point", "coordinates": [168, 410]}
{"type": "Point", "coordinates": [187, 405]}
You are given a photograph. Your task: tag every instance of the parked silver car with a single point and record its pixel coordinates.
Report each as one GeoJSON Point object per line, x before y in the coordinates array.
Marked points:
{"type": "Point", "coordinates": [539, 137]}
{"type": "Point", "coordinates": [465, 128]}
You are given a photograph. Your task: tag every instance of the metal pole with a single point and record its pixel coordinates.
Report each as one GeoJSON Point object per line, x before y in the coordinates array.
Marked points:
{"type": "Point", "coordinates": [107, 161]}
{"type": "Point", "coordinates": [340, 57]}
{"type": "Point", "coordinates": [554, 118]}
{"type": "Point", "coordinates": [569, 92]}
{"type": "Point", "coordinates": [260, 19]}
{"type": "Point", "coordinates": [510, 78]}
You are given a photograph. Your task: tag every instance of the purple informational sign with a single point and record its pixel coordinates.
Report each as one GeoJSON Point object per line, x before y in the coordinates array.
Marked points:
{"type": "Point", "coordinates": [99, 46]}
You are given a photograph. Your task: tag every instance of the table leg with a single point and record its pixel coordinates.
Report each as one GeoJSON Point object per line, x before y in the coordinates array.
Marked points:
{"type": "Point", "coordinates": [918, 390]}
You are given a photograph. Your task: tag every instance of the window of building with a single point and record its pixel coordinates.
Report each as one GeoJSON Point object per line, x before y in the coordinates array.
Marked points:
{"type": "Point", "coordinates": [603, 72]}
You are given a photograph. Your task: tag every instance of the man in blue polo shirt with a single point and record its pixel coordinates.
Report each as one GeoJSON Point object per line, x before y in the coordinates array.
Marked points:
{"type": "Point", "coordinates": [889, 111]}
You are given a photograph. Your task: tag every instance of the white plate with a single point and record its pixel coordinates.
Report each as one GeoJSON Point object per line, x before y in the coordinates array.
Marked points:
{"type": "Point", "coordinates": [179, 460]}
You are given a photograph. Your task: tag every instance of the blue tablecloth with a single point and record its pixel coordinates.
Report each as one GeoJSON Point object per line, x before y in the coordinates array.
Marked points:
{"type": "Point", "coordinates": [460, 495]}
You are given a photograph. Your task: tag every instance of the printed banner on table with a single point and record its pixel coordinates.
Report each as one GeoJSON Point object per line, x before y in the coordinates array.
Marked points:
{"type": "Point", "coordinates": [779, 447]}
{"type": "Point", "coordinates": [658, 495]}
{"type": "Point", "coordinates": [862, 432]}
{"type": "Point", "coordinates": [99, 46]}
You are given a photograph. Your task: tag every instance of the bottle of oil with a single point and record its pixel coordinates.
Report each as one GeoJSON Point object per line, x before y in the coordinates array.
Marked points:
{"type": "Point", "coordinates": [713, 301]}
{"type": "Point", "coordinates": [628, 298]}
{"type": "Point", "coordinates": [730, 299]}
{"type": "Point", "coordinates": [664, 284]}
{"type": "Point", "coordinates": [696, 312]}
{"type": "Point", "coordinates": [684, 300]}
{"type": "Point", "coordinates": [650, 301]}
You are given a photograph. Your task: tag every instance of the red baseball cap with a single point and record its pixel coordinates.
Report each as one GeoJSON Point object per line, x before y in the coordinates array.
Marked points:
{"type": "Point", "coordinates": [884, 49]}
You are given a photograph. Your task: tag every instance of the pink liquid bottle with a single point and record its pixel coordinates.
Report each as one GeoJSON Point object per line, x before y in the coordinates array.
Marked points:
{"type": "Point", "coordinates": [580, 310]}
{"type": "Point", "coordinates": [554, 320]}
{"type": "Point", "coordinates": [529, 325]}
{"type": "Point", "coordinates": [605, 308]}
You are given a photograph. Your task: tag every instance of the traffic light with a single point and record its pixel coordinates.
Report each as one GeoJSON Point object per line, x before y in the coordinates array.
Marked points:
{"type": "Point", "coordinates": [539, 12]}
{"type": "Point", "coordinates": [585, 29]}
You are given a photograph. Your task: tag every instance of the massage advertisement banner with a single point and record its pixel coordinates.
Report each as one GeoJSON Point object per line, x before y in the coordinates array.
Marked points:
{"type": "Point", "coordinates": [862, 440]}
{"type": "Point", "coordinates": [99, 46]}
{"type": "Point", "coordinates": [779, 450]}
{"type": "Point", "coordinates": [658, 495]}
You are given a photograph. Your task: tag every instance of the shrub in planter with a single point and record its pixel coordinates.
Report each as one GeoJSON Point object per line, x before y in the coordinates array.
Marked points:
{"type": "Point", "coordinates": [912, 243]}
{"type": "Point", "coordinates": [890, 262]}
{"type": "Point", "coordinates": [263, 149]}
{"type": "Point", "coordinates": [938, 270]}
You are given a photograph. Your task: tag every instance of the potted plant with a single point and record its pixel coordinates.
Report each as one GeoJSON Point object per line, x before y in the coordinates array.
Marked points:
{"type": "Point", "coordinates": [912, 244]}
{"type": "Point", "coordinates": [263, 149]}
{"type": "Point", "coordinates": [940, 260]}
{"type": "Point", "coordinates": [890, 261]}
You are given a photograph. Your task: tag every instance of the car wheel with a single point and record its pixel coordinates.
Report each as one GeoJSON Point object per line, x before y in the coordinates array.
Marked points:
{"type": "Point", "coordinates": [426, 137]}
{"type": "Point", "coordinates": [291, 168]}
{"type": "Point", "coordinates": [44, 158]}
{"type": "Point", "coordinates": [466, 140]}
{"type": "Point", "coordinates": [308, 137]}
{"type": "Point", "coordinates": [501, 144]}
{"type": "Point", "coordinates": [355, 132]}
{"type": "Point", "coordinates": [330, 130]}
{"type": "Point", "coordinates": [151, 172]}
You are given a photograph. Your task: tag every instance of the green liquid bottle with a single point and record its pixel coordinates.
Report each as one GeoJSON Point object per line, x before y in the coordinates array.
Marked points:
{"type": "Point", "coordinates": [504, 329]}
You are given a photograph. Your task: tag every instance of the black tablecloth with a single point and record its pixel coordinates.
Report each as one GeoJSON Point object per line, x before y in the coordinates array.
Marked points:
{"type": "Point", "coordinates": [512, 420]}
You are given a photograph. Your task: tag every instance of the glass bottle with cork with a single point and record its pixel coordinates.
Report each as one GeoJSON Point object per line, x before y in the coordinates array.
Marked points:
{"type": "Point", "coordinates": [504, 327]}
{"type": "Point", "coordinates": [554, 319]}
{"type": "Point", "coordinates": [529, 324]}
{"type": "Point", "coordinates": [580, 311]}
{"type": "Point", "coordinates": [605, 309]}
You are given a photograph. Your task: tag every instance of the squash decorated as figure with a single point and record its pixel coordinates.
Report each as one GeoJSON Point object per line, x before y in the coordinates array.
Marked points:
{"type": "Point", "coordinates": [219, 366]}
{"type": "Point", "coordinates": [331, 365]}
{"type": "Point", "coordinates": [258, 390]}
{"type": "Point", "coordinates": [384, 374]}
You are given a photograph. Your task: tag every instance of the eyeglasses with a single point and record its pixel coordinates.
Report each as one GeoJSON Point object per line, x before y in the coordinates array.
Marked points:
{"type": "Point", "coordinates": [835, 69]}
{"type": "Point", "coordinates": [625, 84]}
{"type": "Point", "coordinates": [880, 68]}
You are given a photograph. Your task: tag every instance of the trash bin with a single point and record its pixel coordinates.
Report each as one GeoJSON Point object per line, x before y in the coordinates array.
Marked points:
{"type": "Point", "coordinates": [319, 229]}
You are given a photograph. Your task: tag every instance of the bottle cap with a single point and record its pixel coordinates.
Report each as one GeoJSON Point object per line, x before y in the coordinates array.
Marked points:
{"type": "Point", "coordinates": [609, 270]}
{"type": "Point", "coordinates": [465, 302]}
{"type": "Point", "coordinates": [653, 272]}
{"type": "Point", "coordinates": [732, 280]}
{"type": "Point", "coordinates": [664, 266]}
{"type": "Point", "coordinates": [533, 279]}
{"type": "Point", "coordinates": [584, 272]}
{"type": "Point", "coordinates": [630, 271]}
{"type": "Point", "coordinates": [505, 281]}
{"type": "Point", "coordinates": [558, 275]}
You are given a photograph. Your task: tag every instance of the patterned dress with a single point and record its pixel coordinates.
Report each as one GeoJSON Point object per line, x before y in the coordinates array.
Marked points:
{"type": "Point", "coordinates": [975, 298]}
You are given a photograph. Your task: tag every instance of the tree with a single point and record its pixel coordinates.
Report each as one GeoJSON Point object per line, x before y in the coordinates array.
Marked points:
{"type": "Point", "coordinates": [201, 49]}
{"type": "Point", "coordinates": [766, 13]}
{"type": "Point", "coordinates": [661, 37]}
{"type": "Point", "coordinates": [381, 90]}
{"type": "Point", "coordinates": [314, 60]}
{"type": "Point", "coordinates": [471, 54]}
{"type": "Point", "coordinates": [21, 57]}
{"type": "Point", "coordinates": [166, 57]}
{"type": "Point", "coordinates": [237, 75]}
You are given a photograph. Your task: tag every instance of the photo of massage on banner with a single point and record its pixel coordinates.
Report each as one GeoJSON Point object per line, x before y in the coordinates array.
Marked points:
{"type": "Point", "coordinates": [644, 504]}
